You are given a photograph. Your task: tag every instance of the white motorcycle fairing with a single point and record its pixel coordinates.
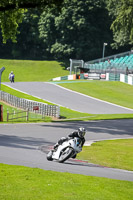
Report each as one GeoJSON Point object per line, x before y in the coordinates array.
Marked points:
{"type": "Point", "coordinates": [66, 150]}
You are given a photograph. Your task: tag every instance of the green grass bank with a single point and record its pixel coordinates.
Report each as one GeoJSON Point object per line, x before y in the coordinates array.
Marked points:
{"type": "Point", "coordinates": [111, 91]}
{"type": "Point", "coordinates": [110, 153]}
{"type": "Point", "coordinates": [19, 182]}
{"type": "Point", "coordinates": [28, 70]}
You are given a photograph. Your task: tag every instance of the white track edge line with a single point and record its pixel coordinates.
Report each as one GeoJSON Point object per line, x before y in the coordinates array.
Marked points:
{"type": "Point", "coordinates": [91, 97]}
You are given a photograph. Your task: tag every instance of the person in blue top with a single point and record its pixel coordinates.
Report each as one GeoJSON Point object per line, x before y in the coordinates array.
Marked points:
{"type": "Point", "coordinates": [11, 77]}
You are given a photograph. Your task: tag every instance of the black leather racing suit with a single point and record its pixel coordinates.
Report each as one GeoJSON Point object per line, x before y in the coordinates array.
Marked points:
{"type": "Point", "coordinates": [75, 134]}
{"type": "Point", "coordinates": [71, 135]}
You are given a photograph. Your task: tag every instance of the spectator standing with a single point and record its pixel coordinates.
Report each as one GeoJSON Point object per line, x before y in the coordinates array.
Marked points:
{"type": "Point", "coordinates": [11, 77]}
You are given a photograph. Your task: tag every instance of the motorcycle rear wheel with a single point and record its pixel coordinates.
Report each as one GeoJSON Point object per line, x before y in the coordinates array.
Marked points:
{"type": "Point", "coordinates": [66, 154]}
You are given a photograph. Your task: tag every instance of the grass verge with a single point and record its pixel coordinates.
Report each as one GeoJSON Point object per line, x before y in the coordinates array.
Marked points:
{"type": "Point", "coordinates": [111, 91]}
{"type": "Point", "coordinates": [19, 182]}
{"type": "Point", "coordinates": [110, 153]}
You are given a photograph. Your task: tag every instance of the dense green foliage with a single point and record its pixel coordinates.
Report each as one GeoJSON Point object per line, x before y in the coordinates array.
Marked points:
{"type": "Point", "coordinates": [75, 31]}
{"type": "Point", "coordinates": [122, 26]}
{"type": "Point", "coordinates": [9, 24]}
{"type": "Point", "coordinates": [72, 29]}
{"type": "Point", "coordinates": [11, 14]}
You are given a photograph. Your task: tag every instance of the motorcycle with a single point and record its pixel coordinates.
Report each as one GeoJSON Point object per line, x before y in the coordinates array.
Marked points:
{"type": "Point", "coordinates": [66, 150]}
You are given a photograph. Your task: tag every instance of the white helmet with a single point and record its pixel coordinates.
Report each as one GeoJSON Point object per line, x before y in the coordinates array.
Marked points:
{"type": "Point", "coordinates": [81, 132]}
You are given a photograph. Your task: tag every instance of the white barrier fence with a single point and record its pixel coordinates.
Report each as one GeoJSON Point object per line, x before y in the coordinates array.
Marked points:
{"type": "Point", "coordinates": [38, 107]}
{"type": "Point", "coordinates": [122, 78]}
{"type": "Point", "coordinates": [126, 78]}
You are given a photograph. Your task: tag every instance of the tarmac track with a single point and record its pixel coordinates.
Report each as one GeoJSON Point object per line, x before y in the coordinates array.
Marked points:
{"type": "Point", "coordinates": [27, 144]}
{"type": "Point", "coordinates": [67, 98]}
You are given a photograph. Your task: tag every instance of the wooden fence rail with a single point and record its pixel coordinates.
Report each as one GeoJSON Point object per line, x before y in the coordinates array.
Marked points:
{"type": "Point", "coordinates": [17, 115]}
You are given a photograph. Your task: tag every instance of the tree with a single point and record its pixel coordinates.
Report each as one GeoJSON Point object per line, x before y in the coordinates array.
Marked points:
{"type": "Point", "coordinates": [12, 12]}
{"type": "Point", "coordinates": [9, 24]}
{"type": "Point", "coordinates": [29, 45]}
{"type": "Point", "coordinates": [122, 26]}
{"type": "Point", "coordinates": [78, 31]}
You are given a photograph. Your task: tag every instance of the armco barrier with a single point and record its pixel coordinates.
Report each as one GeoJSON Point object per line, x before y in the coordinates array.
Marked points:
{"type": "Point", "coordinates": [45, 109]}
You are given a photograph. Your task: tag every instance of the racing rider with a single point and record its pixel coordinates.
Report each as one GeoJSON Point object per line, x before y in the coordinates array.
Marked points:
{"type": "Point", "coordinates": [80, 133]}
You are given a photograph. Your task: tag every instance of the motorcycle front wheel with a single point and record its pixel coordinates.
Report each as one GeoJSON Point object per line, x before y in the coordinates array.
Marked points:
{"type": "Point", "coordinates": [49, 155]}
{"type": "Point", "coordinates": [65, 154]}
